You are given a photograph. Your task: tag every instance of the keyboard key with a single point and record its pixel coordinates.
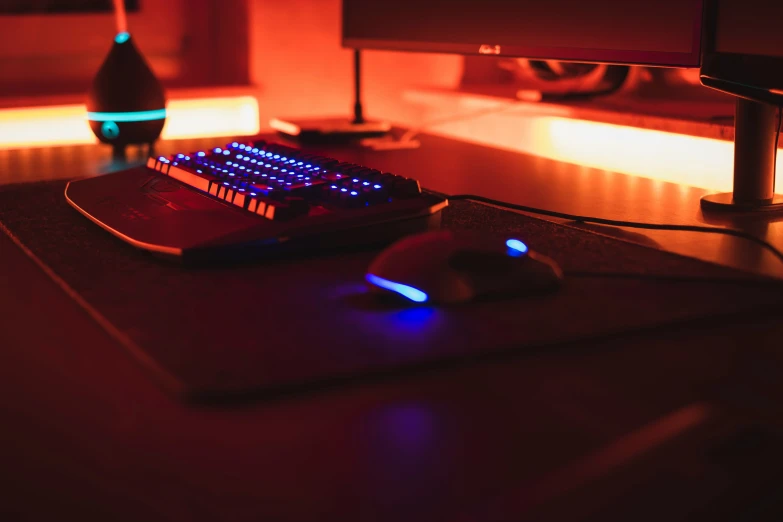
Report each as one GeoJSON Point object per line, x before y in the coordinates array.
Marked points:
{"type": "Point", "coordinates": [286, 209]}
{"type": "Point", "coordinates": [307, 190]}
{"type": "Point", "coordinates": [239, 199]}
{"type": "Point", "coordinates": [267, 187]}
{"type": "Point", "coordinates": [349, 198]}
{"type": "Point", "coordinates": [261, 206]}
{"type": "Point", "coordinates": [405, 188]}
{"type": "Point", "coordinates": [376, 194]}
{"type": "Point", "coordinates": [200, 181]}
{"type": "Point", "coordinates": [333, 176]}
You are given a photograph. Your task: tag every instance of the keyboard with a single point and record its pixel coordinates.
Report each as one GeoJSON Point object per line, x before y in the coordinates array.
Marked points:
{"type": "Point", "coordinates": [253, 199]}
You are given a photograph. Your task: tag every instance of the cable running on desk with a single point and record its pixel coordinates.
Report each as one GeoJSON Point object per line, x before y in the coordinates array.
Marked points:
{"type": "Point", "coordinates": [619, 223]}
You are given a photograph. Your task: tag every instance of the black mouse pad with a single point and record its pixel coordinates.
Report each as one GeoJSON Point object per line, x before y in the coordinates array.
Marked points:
{"type": "Point", "coordinates": [303, 321]}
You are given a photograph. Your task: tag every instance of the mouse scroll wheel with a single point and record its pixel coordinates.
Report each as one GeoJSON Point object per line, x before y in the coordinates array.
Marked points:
{"type": "Point", "coordinates": [472, 261]}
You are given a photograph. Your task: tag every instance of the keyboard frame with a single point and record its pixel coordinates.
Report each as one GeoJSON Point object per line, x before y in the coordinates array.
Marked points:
{"type": "Point", "coordinates": [258, 237]}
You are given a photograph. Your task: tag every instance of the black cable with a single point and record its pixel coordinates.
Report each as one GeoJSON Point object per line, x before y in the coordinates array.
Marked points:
{"type": "Point", "coordinates": [619, 223]}
{"type": "Point", "coordinates": [615, 85]}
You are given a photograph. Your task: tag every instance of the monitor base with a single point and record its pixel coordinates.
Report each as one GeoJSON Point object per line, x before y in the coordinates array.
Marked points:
{"type": "Point", "coordinates": [724, 202]}
{"type": "Point", "coordinates": [328, 130]}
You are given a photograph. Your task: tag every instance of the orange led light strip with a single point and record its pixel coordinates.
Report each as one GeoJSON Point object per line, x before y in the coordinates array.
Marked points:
{"type": "Point", "coordinates": [186, 118]}
{"type": "Point", "coordinates": [664, 156]}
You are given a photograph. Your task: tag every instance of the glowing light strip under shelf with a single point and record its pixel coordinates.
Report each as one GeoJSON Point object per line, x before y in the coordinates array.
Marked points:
{"type": "Point", "coordinates": [186, 118]}
{"type": "Point", "coordinates": [664, 156]}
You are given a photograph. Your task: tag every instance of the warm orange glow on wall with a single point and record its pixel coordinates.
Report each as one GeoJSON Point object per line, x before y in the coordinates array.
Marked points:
{"type": "Point", "coordinates": [210, 117]}
{"type": "Point", "coordinates": [186, 118]}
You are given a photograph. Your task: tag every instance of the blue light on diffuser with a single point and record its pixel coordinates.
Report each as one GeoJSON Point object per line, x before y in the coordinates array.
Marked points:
{"type": "Point", "coordinates": [122, 37]}
{"type": "Point", "coordinates": [110, 130]}
{"type": "Point", "coordinates": [158, 114]}
{"type": "Point", "coordinates": [414, 294]}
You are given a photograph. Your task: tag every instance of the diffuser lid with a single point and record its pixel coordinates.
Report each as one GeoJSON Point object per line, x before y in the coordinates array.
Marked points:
{"type": "Point", "coordinates": [125, 82]}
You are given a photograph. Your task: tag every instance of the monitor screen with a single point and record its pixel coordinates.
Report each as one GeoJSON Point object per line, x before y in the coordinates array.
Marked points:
{"type": "Point", "coordinates": [743, 49]}
{"type": "Point", "coordinates": [749, 27]}
{"type": "Point", "coordinates": [660, 32]}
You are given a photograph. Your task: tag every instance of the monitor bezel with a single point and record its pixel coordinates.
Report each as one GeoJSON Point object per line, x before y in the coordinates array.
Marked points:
{"type": "Point", "coordinates": [748, 76]}
{"type": "Point", "coordinates": [566, 54]}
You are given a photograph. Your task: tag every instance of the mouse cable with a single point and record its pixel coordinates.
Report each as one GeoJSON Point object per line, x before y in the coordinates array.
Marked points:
{"type": "Point", "coordinates": [619, 223]}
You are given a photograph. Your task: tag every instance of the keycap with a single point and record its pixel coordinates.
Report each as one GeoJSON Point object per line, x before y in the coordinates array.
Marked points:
{"type": "Point", "coordinates": [306, 190]}
{"type": "Point", "coordinates": [200, 181]}
{"type": "Point", "coordinates": [350, 198]}
{"type": "Point", "coordinates": [289, 208]}
{"type": "Point", "coordinates": [405, 188]}
{"type": "Point", "coordinates": [240, 199]}
{"type": "Point", "coordinates": [375, 194]}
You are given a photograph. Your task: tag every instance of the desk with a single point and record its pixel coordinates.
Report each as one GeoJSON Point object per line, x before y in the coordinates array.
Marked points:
{"type": "Point", "coordinates": [87, 435]}
{"type": "Point", "coordinates": [454, 167]}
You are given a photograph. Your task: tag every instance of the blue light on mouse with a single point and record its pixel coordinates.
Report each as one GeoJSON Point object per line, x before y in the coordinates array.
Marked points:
{"type": "Point", "coordinates": [414, 294]}
{"type": "Point", "coordinates": [516, 248]}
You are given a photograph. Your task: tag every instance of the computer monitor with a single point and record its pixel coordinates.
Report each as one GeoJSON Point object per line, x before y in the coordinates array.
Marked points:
{"type": "Point", "coordinates": [738, 44]}
{"type": "Point", "coordinates": [743, 49]}
{"type": "Point", "coordinates": [663, 32]}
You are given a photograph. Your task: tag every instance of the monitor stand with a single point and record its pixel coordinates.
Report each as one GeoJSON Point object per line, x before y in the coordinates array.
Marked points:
{"type": "Point", "coordinates": [755, 150]}
{"type": "Point", "coordinates": [331, 130]}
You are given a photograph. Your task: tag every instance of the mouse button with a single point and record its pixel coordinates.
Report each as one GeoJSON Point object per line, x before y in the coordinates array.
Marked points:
{"type": "Point", "coordinates": [435, 239]}
{"type": "Point", "coordinates": [427, 246]}
{"type": "Point", "coordinates": [478, 261]}
{"type": "Point", "coordinates": [535, 275]}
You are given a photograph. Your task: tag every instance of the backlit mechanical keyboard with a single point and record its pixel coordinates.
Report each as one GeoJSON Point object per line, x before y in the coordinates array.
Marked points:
{"type": "Point", "coordinates": [248, 199]}
{"type": "Point", "coordinates": [278, 182]}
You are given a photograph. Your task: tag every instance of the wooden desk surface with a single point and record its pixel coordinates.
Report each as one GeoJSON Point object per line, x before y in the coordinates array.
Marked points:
{"type": "Point", "coordinates": [88, 435]}
{"type": "Point", "coordinates": [453, 167]}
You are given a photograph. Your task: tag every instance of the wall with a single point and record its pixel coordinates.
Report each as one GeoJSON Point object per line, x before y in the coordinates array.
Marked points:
{"type": "Point", "coordinates": [301, 70]}
{"type": "Point", "coordinates": [38, 50]}
{"type": "Point", "coordinates": [189, 43]}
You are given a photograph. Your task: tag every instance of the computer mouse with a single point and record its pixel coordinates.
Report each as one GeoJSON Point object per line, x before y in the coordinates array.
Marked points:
{"type": "Point", "coordinates": [447, 267]}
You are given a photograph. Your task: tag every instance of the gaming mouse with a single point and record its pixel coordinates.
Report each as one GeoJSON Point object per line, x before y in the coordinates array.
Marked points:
{"type": "Point", "coordinates": [445, 267]}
